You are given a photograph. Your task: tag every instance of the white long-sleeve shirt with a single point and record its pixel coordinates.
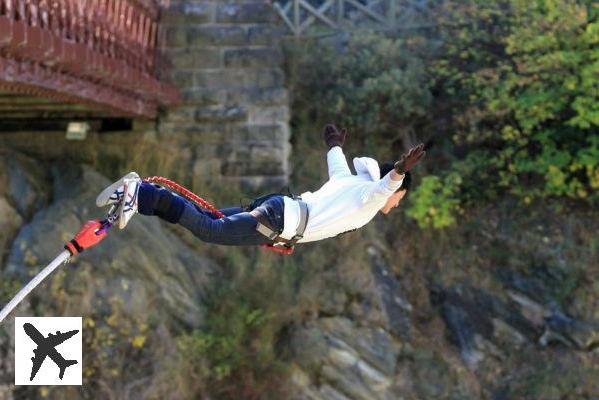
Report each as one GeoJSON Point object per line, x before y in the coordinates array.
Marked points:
{"type": "Point", "coordinates": [344, 202]}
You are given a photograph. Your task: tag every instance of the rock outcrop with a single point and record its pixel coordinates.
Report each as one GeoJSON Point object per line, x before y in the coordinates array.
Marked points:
{"type": "Point", "coordinates": [137, 283]}
{"type": "Point", "coordinates": [511, 334]}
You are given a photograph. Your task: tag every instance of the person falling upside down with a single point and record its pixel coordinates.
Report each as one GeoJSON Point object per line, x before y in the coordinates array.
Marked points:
{"type": "Point", "coordinates": [344, 203]}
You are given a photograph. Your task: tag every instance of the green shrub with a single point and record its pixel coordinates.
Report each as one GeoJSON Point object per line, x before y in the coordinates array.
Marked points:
{"type": "Point", "coordinates": [528, 73]}
{"type": "Point", "coordinates": [436, 203]}
{"type": "Point", "coordinates": [224, 342]}
{"type": "Point", "coordinates": [507, 92]}
{"type": "Point", "coordinates": [376, 86]}
{"type": "Point", "coordinates": [233, 354]}
{"type": "Point", "coordinates": [8, 289]}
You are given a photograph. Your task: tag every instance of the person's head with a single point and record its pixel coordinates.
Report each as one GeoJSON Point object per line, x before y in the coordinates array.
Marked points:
{"type": "Point", "coordinates": [395, 198]}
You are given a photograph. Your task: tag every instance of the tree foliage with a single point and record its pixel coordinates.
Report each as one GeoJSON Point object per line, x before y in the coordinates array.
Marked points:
{"type": "Point", "coordinates": [526, 75]}
{"type": "Point", "coordinates": [507, 91]}
{"type": "Point", "coordinates": [374, 85]}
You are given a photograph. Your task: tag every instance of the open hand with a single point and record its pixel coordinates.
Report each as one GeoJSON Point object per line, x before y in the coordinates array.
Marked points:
{"type": "Point", "coordinates": [333, 137]}
{"type": "Point", "coordinates": [411, 158]}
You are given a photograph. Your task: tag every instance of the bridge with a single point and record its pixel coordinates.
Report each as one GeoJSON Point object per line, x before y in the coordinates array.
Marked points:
{"type": "Point", "coordinates": [101, 58]}
{"type": "Point", "coordinates": [308, 17]}
{"type": "Point", "coordinates": [99, 54]}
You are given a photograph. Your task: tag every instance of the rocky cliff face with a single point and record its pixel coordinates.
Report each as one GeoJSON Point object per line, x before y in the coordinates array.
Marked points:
{"type": "Point", "coordinates": [384, 313]}
{"type": "Point", "coordinates": [443, 318]}
{"type": "Point", "coordinates": [134, 290]}
{"type": "Point", "coordinates": [499, 308]}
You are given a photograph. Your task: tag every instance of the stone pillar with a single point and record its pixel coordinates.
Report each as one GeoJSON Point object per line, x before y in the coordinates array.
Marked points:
{"type": "Point", "coordinates": [225, 56]}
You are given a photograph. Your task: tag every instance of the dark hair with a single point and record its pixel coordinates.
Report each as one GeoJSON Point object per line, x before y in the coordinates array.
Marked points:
{"type": "Point", "coordinates": [407, 180]}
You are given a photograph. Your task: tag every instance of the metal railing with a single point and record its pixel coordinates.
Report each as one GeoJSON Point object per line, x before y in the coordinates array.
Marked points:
{"type": "Point", "coordinates": [101, 52]}
{"type": "Point", "coordinates": [301, 15]}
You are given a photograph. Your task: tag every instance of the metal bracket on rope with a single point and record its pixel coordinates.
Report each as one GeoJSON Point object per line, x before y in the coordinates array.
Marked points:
{"type": "Point", "coordinates": [90, 235]}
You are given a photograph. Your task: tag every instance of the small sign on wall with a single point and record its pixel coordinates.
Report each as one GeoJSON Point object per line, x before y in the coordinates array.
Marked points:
{"type": "Point", "coordinates": [77, 130]}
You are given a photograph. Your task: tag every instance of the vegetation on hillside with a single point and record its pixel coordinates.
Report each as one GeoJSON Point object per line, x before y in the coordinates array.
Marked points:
{"type": "Point", "coordinates": [504, 93]}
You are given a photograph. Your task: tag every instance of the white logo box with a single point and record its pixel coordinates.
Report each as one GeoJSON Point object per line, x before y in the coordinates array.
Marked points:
{"type": "Point", "coordinates": [69, 353]}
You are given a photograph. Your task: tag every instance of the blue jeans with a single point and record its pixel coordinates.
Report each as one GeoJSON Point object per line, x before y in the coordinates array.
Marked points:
{"type": "Point", "coordinates": [236, 228]}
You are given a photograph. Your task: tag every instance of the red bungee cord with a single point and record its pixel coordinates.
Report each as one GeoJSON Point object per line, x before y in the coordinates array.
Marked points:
{"type": "Point", "coordinates": [189, 195]}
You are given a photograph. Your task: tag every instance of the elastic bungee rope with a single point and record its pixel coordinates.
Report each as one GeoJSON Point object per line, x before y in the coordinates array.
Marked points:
{"type": "Point", "coordinates": [189, 195]}
{"type": "Point", "coordinates": [57, 262]}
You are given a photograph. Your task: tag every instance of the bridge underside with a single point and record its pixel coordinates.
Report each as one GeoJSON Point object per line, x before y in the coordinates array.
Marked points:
{"type": "Point", "coordinates": [15, 105]}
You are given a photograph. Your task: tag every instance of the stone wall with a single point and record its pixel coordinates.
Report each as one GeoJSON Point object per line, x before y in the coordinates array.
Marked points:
{"type": "Point", "coordinates": [233, 122]}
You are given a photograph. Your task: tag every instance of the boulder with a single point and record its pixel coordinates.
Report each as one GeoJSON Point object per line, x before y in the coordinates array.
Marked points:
{"type": "Point", "coordinates": [10, 221]}
{"type": "Point", "coordinates": [349, 360]}
{"type": "Point", "coordinates": [479, 322]}
{"type": "Point", "coordinates": [24, 182]}
{"type": "Point", "coordinates": [142, 265]}
{"type": "Point", "coordinates": [140, 285]}
{"type": "Point", "coordinates": [23, 189]}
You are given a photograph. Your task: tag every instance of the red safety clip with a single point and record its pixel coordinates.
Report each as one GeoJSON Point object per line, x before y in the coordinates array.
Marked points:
{"type": "Point", "coordinates": [277, 249]}
{"type": "Point", "coordinates": [90, 235]}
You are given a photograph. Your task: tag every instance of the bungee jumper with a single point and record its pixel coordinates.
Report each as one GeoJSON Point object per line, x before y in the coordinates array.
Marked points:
{"type": "Point", "coordinates": [344, 203]}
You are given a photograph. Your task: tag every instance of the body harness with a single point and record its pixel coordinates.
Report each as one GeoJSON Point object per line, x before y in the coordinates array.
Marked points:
{"type": "Point", "coordinates": [267, 230]}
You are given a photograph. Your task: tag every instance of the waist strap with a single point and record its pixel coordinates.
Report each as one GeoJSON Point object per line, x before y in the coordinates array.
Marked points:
{"type": "Point", "coordinates": [266, 229]}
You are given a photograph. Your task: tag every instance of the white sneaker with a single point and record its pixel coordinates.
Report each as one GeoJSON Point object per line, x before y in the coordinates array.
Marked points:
{"type": "Point", "coordinates": [122, 196]}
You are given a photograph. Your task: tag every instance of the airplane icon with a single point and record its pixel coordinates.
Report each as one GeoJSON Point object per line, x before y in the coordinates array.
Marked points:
{"type": "Point", "coordinates": [46, 347]}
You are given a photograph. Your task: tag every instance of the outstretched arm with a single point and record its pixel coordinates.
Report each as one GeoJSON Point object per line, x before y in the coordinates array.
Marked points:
{"type": "Point", "coordinates": [388, 184]}
{"type": "Point", "coordinates": [335, 158]}
{"type": "Point", "coordinates": [393, 180]}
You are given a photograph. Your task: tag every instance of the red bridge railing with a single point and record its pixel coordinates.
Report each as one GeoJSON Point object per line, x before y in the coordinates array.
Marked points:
{"type": "Point", "coordinates": [101, 52]}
